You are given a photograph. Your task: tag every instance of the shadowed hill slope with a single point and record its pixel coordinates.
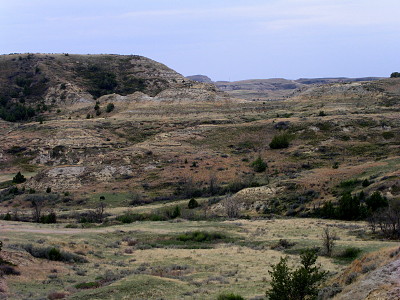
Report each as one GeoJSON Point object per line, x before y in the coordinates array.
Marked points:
{"type": "Point", "coordinates": [35, 79]}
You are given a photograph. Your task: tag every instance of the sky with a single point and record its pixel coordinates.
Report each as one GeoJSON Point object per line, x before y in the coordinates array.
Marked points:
{"type": "Point", "coordinates": [225, 40]}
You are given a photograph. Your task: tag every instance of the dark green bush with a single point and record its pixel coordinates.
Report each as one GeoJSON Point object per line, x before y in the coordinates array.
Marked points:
{"type": "Point", "coordinates": [51, 218]}
{"type": "Point", "coordinates": [387, 135]}
{"type": "Point", "coordinates": [14, 112]}
{"type": "Point", "coordinates": [19, 178]}
{"type": "Point", "coordinates": [87, 285]}
{"type": "Point", "coordinates": [259, 165]}
{"type": "Point", "coordinates": [376, 201]}
{"type": "Point", "coordinates": [351, 183]}
{"type": "Point", "coordinates": [110, 107]}
{"type": "Point", "coordinates": [193, 203]}
{"type": "Point", "coordinates": [395, 75]}
{"type": "Point", "coordinates": [176, 212]}
{"type": "Point", "coordinates": [52, 253]}
{"type": "Point", "coordinates": [200, 236]}
{"type": "Point", "coordinates": [366, 183]}
{"type": "Point", "coordinates": [350, 253]}
{"type": "Point", "coordinates": [128, 218]}
{"type": "Point", "coordinates": [280, 141]}
{"type": "Point", "coordinates": [230, 296]}
{"type": "Point", "coordinates": [349, 207]}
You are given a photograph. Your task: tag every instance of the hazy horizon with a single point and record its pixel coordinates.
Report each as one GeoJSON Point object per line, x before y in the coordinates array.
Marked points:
{"type": "Point", "coordinates": [225, 40]}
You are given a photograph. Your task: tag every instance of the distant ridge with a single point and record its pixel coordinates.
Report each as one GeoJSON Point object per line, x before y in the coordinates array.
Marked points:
{"type": "Point", "coordinates": [200, 78]}
{"type": "Point", "coordinates": [274, 88]}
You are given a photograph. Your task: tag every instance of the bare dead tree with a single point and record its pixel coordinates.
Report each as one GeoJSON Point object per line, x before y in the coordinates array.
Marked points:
{"type": "Point", "coordinates": [99, 212]}
{"type": "Point", "coordinates": [15, 214]}
{"type": "Point", "coordinates": [188, 187]}
{"type": "Point", "coordinates": [232, 207]}
{"type": "Point", "coordinates": [388, 219]}
{"type": "Point", "coordinates": [213, 184]}
{"type": "Point", "coordinates": [38, 203]}
{"type": "Point", "coordinates": [372, 222]}
{"type": "Point", "coordinates": [328, 240]}
{"type": "Point", "coordinates": [206, 208]}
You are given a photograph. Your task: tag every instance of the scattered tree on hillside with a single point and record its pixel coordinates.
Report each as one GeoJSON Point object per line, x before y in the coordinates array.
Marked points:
{"type": "Point", "coordinates": [174, 213]}
{"type": "Point", "coordinates": [299, 284]}
{"type": "Point", "coordinates": [376, 201]}
{"type": "Point", "coordinates": [19, 178]}
{"type": "Point", "coordinates": [193, 203]}
{"type": "Point", "coordinates": [259, 165]}
{"type": "Point", "coordinates": [349, 207]}
{"type": "Point", "coordinates": [280, 141]}
{"type": "Point", "coordinates": [110, 107]}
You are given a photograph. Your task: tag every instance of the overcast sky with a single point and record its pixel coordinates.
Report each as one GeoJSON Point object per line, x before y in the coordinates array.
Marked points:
{"type": "Point", "coordinates": [226, 40]}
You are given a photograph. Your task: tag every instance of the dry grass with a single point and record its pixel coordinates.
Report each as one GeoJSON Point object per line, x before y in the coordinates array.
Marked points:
{"type": "Point", "coordinates": [240, 266]}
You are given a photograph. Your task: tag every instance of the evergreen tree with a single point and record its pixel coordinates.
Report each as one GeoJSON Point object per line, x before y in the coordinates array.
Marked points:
{"type": "Point", "coordinates": [375, 201]}
{"type": "Point", "coordinates": [259, 165]}
{"type": "Point", "coordinates": [349, 207]}
{"type": "Point", "coordinates": [193, 203]}
{"type": "Point", "coordinates": [19, 178]}
{"type": "Point", "coordinates": [299, 284]}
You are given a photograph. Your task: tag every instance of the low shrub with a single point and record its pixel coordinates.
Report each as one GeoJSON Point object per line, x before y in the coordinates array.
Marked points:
{"type": "Point", "coordinates": [387, 135]}
{"type": "Point", "coordinates": [52, 253]}
{"type": "Point", "coordinates": [129, 217]}
{"type": "Point", "coordinates": [280, 141]}
{"type": "Point", "coordinates": [110, 107]}
{"type": "Point", "coordinates": [200, 236]}
{"type": "Point", "coordinates": [259, 165]}
{"type": "Point", "coordinates": [174, 213]}
{"type": "Point", "coordinates": [87, 285]}
{"type": "Point", "coordinates": [193, 203]}
{"type": "Point", "coordinates": [351, 278]}
{"type": "Point", "coordinates": [283, 244]}
{"type": "Point", "coordinates": [350, 253]}
{"type": "Point", "coordinates": [230, 296]}
{"type": "Point", "coordinates": [8, 270]}
{"type": "Point", "coordinates": [51, 218]}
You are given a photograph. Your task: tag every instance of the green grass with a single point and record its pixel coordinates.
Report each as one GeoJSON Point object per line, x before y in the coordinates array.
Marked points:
{"type": "Point", "coordinates": [111, 199]}
{"type": "Point", "coordinates": [87, 285]}
{"type": "Point", "coordinates": [388, 165]}
{"type": "Point", "coordinates": [347, 255]}
{"type": "Point", "coordinates": [223, 257]}
{"type": "Point", "coordinates": [6, 184]}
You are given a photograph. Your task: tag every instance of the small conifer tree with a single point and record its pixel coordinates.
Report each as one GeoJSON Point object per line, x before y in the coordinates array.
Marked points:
{"type": "Point", "coordinates": [19, 178]}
